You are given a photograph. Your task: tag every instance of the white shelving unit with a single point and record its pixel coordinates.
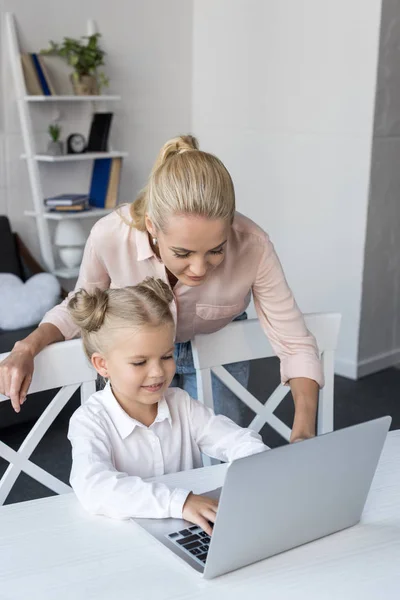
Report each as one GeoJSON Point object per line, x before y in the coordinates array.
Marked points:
{"type": "Point", "coordinates": [72, 98]}
{"type": "Point", "coordinates": [33, 159]}
{"type": "Point", "coordinates": [76, 157]}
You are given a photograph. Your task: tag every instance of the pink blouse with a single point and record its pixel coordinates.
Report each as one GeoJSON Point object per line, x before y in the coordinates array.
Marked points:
{"type": "Point", "coordinates": [117, 255]}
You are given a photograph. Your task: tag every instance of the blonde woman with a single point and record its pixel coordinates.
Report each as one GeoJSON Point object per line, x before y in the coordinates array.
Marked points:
{"type": "Point", "coordinates": [184, 229]}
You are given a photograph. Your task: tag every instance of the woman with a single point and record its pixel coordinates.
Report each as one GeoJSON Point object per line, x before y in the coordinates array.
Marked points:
{"type": "Point", "coordinates": [183, 228]}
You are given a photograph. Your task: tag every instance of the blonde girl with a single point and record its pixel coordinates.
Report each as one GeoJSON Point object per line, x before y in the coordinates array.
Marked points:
{"type": "Point", "coordinates": [138, 426]}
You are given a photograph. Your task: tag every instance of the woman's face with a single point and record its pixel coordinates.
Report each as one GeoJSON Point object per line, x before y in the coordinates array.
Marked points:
{"type": "Point", "coordinates": [192, 246]}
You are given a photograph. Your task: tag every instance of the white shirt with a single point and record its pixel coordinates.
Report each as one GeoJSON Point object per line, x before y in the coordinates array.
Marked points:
{"type": "Point", "coordinates": [112, 453]}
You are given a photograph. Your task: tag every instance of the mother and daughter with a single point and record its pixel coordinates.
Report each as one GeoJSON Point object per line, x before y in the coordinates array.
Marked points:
{"type": "Point", "coordinates": [178, 261]}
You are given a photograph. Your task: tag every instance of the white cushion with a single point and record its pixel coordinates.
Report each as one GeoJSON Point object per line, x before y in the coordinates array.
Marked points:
{"type": "Point", "coordinates": [25, 304]}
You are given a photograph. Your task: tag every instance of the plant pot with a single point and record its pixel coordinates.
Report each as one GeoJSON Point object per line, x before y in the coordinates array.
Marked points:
{"type": "Point", "coordinates": [55, 148]}
{"type": "Point", "coordinates": [86, 85]}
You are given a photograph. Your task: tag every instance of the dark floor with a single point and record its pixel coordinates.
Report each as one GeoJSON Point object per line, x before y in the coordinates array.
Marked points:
{"type": "Point", "coordinates": [355, 401]}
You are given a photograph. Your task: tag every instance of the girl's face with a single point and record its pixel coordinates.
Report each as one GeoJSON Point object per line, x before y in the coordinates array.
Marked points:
{"type": "Point", "coordinates": [192, 246]}
{"type": "Point", "coordinates": [140, 366]}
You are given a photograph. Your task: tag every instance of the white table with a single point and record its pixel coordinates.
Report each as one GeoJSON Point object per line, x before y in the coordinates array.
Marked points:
{"type": "Point", "coordinates": [51, 549]}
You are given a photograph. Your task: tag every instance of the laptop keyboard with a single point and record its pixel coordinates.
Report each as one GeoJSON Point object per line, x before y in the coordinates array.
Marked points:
{"type": "Point", "coordinates": [194, 541]}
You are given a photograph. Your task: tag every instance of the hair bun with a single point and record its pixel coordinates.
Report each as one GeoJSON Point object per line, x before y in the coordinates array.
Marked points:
{"type": "Point", "coordinates": [178, 145]}
{"type": "Point", "coordinates": [156, 287]}
{"type": "Point", "coordinates": [88, 310]}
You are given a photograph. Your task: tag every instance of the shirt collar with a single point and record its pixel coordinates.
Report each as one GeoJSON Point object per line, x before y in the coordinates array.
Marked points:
{"type": "Point", "coordinates": [122, 421]}
{"type": "Point", "coordinates": [143, 248]}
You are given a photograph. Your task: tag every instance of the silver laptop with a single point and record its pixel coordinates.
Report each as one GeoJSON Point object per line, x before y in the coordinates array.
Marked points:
{"type": "Point", "coordinates": [280, 499]}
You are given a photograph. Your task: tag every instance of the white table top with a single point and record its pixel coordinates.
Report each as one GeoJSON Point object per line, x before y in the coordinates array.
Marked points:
{"type": "Point", "coordinates": [51, 549]}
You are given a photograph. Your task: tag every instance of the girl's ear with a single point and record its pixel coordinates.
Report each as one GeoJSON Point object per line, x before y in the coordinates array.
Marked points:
{"type": "Point", "coordinates": [100, 364]}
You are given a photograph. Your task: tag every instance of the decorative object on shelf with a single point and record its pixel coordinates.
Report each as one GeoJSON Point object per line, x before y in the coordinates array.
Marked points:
{"type": "Point", "coordinates": [55, 146]}
{"type": "Point", "coordinates": [25, 304]}
{"type": "Point", "coordinates": [104, 185]}
{"type": "Point", "coordinates": [76, 143]}
{"type": "Point", "coordinates": [70, 239]}
{"type": "Point", "coordinates": [85, 57]}
{"type": "Point", "coordinates": [99, 132]}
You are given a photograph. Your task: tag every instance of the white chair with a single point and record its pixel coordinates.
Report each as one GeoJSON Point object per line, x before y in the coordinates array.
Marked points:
{"type": "Point", "coordinates": [245, 340]}
{"type": "Point", "coordinates": [62, 365]}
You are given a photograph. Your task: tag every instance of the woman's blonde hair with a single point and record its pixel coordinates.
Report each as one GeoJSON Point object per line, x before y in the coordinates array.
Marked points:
{"type": "Point", "coordinates": [184, 180]}
{"type": "Point", "coordinates": [100, 312]}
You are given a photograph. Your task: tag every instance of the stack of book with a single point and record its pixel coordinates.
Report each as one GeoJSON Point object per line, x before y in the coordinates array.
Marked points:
{"type": "Point", "coordinates": [36, 75]}
{"type": "Point", "coordinates": [67, 203]}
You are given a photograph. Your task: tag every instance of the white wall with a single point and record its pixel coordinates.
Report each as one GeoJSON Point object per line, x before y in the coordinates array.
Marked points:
{"type": "Point", "coordinates": [149, 46]}
{"type": "Point", "coordinates": [283, 92]}
{"type": "Point", "coordinates": [380, 322]}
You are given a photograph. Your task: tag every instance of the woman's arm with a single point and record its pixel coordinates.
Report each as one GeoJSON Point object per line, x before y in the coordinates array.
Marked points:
{"type": "Point", "coordinates": [17, 369]}
{"type": "Point", "coordinates": [305, 396]}
{"type": "Point", "coordinates": [284, 325]}
{"type": "Point", "coordinates": [92, 274]}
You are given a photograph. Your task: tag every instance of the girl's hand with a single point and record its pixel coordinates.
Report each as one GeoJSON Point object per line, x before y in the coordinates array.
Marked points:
{"type": "Point", "coordinates": [200, 510]}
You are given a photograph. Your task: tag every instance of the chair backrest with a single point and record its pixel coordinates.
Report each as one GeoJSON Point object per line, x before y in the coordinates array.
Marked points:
{"type": "Point", "coordinates": [62, 365]}
{"type": "Point", "coordinates": [245, 340]}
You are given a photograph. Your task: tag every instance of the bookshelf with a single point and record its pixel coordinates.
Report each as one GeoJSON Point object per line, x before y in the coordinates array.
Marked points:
{"type": "Point", "coordinates": [47, 233]}
{"type": "Point", "coordinates": [104, 98]}
{"type": "Point", "coordinates": [77, 157]}
{"type": "Point", "coordinates": [94, 213]}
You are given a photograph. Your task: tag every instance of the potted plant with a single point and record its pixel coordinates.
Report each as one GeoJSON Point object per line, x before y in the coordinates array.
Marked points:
{"type": "Point", "coordinates": [85, 57]}
{"type": "Point", "coordinates": [55, 145]}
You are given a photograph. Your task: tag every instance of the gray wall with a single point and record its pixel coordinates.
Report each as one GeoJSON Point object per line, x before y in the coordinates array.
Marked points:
{"type": "Point", "coordinates": [379, 343]}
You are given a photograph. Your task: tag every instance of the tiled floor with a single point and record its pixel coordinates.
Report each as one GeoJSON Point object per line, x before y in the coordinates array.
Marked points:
{"type": "Point", "coordinates": [355, 401]}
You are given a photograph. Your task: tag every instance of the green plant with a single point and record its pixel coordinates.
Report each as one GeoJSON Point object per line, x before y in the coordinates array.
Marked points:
{"type": "Point", "coordinates": [54, 131]}
{"type": "Point", "coordinates": [83, 55]}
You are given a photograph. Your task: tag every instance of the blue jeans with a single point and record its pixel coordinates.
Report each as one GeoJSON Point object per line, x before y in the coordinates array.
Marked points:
{"type": "Point", "coordinates": [225, 401]}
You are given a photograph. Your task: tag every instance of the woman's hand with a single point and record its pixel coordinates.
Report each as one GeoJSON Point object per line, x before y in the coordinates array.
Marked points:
{"type": "Point", "coordinates": [17, 369]}
{"type": "Point", "coordinates": [16, 375]}
{"type": "Point", "coordinates": [200, 510]}
{"type": "Point", "coordinates": [305, 396]}
{"type": "Point", "coordinates": [300, 437]}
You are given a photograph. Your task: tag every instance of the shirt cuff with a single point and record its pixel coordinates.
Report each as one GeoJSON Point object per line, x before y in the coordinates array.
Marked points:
{"type": "Point", "coordinates": [178, 499]}
{"type": "Point", "coordinates": [302, 366]}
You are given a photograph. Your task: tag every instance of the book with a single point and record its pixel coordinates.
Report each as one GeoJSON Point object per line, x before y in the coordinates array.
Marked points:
{"type": "Point", "coordinates": [59, 73]}
{"type": "Point", "coordinates": [32, 83]}
{"type": "Point", "coordinates": [99, 182]}
{"type": "Point", "coordinates": [113, 184]}
{"type": "Point", "coordinates": [74, 208]}
{"type": "Point", "coordinates": [46, 75]}
{"type": "Point", "coordinates": [40, 74]}
{"type": "Point", "coordinates": [99, 132]}
{"type": "Point", "coordinates": [66, 199]}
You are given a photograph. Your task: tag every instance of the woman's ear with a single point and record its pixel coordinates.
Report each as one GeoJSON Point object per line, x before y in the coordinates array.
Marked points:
{"type": "Point", "coordinates": [149, 226]}
{"type": "Point", "coordinates": [100, 364]}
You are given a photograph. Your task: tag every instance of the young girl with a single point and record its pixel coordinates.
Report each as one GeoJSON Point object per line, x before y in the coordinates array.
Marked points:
{"type": "Point", "coordinates": [139, 427]}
